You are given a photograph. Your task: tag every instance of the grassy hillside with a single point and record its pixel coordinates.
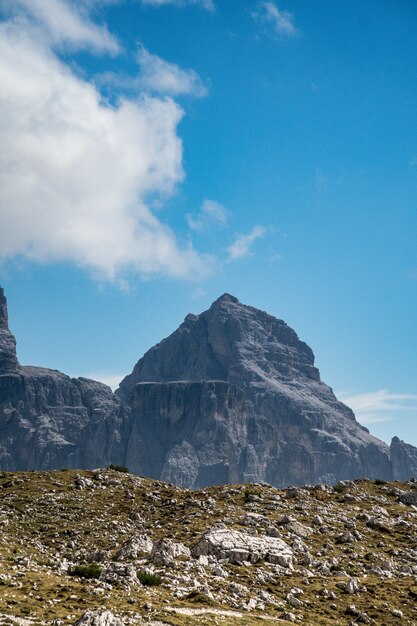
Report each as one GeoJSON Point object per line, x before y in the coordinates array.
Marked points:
{"type": "Point", "coordinates": [354, 552]}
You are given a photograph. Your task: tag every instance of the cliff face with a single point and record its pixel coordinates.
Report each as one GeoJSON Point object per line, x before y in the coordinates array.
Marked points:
{"type": "Point", "coordinates": [234, 396]}
{"type": "Point", "coordinates": [231, 396]}
{"type": "Point", "coordinates": [403, 459]}
{"type": "Point", "coordinates": [8, 359]}
{"type": "Point", "coordinates": [49, 420]}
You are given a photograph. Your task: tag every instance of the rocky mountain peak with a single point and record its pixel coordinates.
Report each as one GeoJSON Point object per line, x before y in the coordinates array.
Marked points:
{"type": "Point", "coordinates": [8, 358]}
{"type": "Point", "coordinates": [230, 341]}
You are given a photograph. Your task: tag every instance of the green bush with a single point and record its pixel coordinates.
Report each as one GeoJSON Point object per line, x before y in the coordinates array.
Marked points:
{"type": "Point", "coordinates": [148, 579]}
{"type": "Point", "coordinates": [119, 468]}
{"type": "Point", "coordinates": [93, 570]}
{"type": "Point", "coordinates": [378, 481]}
{"type": "Point", "coordinates": [249, 495]}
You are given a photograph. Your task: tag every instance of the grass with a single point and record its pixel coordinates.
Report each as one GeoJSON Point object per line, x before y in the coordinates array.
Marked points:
{"type": "Point", "coordinates": [119, 468]}
{"type": "Point", "coordinates": [47, 517]}
{"type": "Point", "coordinates": [92, 570]}
{"type": "Point", "coordinates": [148, 579]}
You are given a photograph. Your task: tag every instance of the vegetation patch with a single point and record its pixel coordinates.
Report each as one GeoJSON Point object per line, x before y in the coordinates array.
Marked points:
{"type": "Point", "coordinates": [119, 468]}
{"type": "Point", "coordinates": [148, 579]}
{"type": "Point", "coordinates": [92, 570]}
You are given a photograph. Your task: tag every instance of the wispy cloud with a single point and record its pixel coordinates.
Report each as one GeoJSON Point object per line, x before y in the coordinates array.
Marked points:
{"type": "Point", "coordinates": [156, 76]}
{"type": "Point", "coordinates": [204, 4]}
{"type": "Point", "coordinates": [62, 23]}
{"type": "Point", "coordinates": [379, 406]}
{"type": "Point", "coordinates": [211, 213]}
{"type": "Point", "coordinates": [160, 76]}
{"type": "Point", "coordinates": [242, 245]}
{"type": "Point", "coordinates": [281, 22]}
{"type": "Point", "coordinates": [76, 173]}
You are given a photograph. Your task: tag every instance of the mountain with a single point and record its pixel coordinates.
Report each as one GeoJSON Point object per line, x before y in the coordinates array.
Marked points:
{"type": "Point", "coordinates": [49, 420]}
{"type": "Point", "coordinates": [231, 396]}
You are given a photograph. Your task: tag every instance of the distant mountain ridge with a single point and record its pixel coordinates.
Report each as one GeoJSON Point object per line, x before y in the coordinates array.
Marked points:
{"type": "Point", "coordinates": [231, 396]}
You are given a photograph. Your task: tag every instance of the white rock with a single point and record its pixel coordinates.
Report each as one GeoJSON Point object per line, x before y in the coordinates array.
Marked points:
{"type": "Point", "coordinates": [134, 548]}
{"type": "Point", "coordinates": [99, 618]}
{"type": "Point", "coordinates": [165, 551]}
{"type": "Point", "coordinates": [238, 547]}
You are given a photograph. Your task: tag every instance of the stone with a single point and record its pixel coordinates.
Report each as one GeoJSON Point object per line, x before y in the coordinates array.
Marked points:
{"type": "Point", "coordinates": [165, 551]}
{"type": "Point", "coordinates": [238, 547]}
{"type": "Point", "coordinates": [134, 548]}
{"type": "Point", "coordinates": [409, 497]}
{"type": "Point", "coordinates": [99, 618]}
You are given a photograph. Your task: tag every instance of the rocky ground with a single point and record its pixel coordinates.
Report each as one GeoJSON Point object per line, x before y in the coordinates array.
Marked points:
{"type": "Point", "coordinates": [234, 554]}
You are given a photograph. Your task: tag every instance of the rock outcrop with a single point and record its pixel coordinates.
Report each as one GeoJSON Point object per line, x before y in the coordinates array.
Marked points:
{"type": "Point", "coordinates": [49, 420]}
{"type": "Point", "coordinates": [231, 396]}
{"type": "Point", "coordinates": [403, 459]}
{"type": "Point", "coordinates": [8, 358]}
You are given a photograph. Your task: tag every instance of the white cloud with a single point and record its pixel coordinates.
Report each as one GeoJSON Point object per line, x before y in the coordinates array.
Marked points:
{"type": "Point", "coordinates": [62, 23]}
{"type": "Point", "coordinates": [241, 247]}
{"type": "Point", "coordinates": [282, 22]}
{"type": "Point", "coordinates": [160, 76]}
{"type": "Point", "coordinates": [157, 76]}
{"type": "Point", "coordinates": [76, 173]}
{"type": "Point", "coordinates": [378, 406]}
{"type": "Point", "coordinates": [205, 4]}
{"type": "Point", "coordinates": [211, 212]}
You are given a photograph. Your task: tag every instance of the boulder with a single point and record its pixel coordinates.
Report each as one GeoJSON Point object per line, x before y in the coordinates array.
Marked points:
{"type": "Point", "coordinates": [237, 547]}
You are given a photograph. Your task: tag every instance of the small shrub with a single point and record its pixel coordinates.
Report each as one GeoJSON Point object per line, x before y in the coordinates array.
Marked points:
{"type": "Point", "coordinates": [148, 579]}
{"type": "Point", "coordinates": [93, 570]}
{"type": "Point", "coordinates": [339, 488]}
{"type": "Point", "coordinates": [250, 495]}
{"type": "Point", "coordinates": [378, 481]}
{"type": "Point", "coordinates": [119, 468]}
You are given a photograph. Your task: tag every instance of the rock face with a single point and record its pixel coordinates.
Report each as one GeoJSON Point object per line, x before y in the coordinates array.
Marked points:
{"type": "Point", "coordinates": [403, 459]}
{"type": "Point", "coordinates": [49, 420]}
{"type": "Point", "coordinates": [231, 396]}
{"type": "Point", "coordinates": [8, 359]}
{"type": "Point", "coordinates": [234, 396]}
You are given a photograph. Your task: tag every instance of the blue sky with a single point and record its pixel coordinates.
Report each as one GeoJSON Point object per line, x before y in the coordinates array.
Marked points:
{"type": "Point", "coordinates": [157, 153]}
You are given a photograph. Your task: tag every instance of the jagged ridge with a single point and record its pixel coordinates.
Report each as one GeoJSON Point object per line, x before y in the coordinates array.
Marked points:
{"type": "Point", "coordinates": [231, 396]}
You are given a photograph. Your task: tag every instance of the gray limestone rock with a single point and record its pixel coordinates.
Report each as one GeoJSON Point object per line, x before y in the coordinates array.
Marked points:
{"type": "Point", "coordinates": [165, 551]}
{"type": "Point", "coordinates": [134, 548]}
{"type": "Point", "coordinates": [101, 617]}
{"type": "Point", "coordinates": [237, 547]}
{"type": "Point", "coordinates": [8, 359]}
{"type": "Point", "coordinates": [49, 420]}
{"type": "Point", "coordinates": [404, 460]}
{"type": "Point", "coordinates": [232, 395]}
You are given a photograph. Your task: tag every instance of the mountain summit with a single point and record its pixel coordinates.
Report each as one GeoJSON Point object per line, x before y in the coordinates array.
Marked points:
{"type": "Point", "coordinates": [232, 395]}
